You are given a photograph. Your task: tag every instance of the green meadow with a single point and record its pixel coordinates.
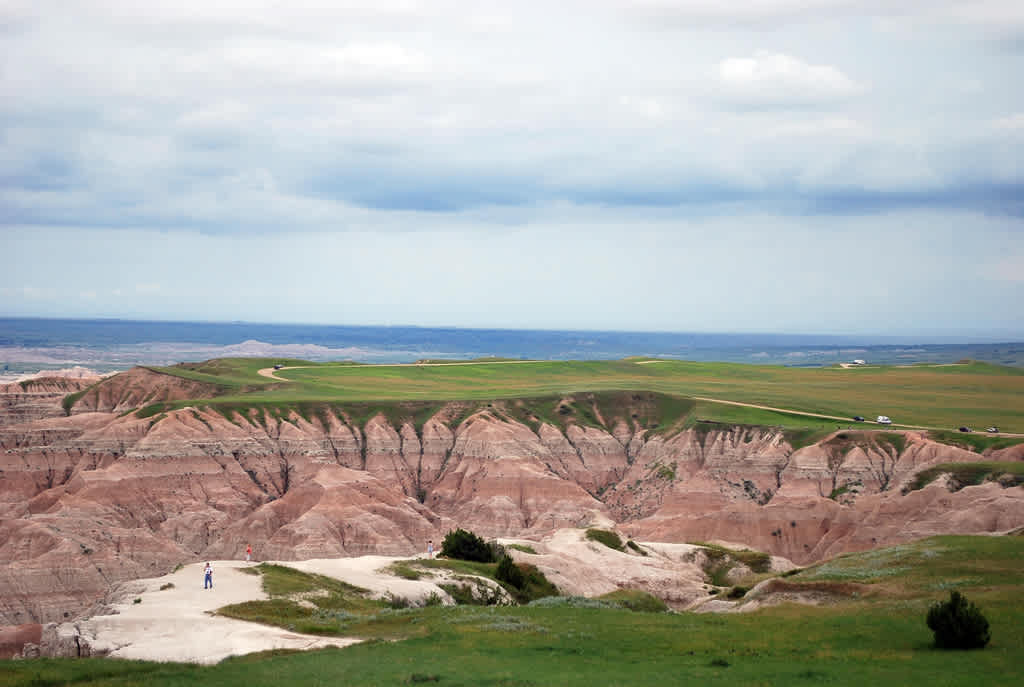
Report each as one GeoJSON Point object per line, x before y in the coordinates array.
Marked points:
{"type": "Point", "coordinates": [872, 632]}
{"type": "Point", "coordinates": [941, 397]}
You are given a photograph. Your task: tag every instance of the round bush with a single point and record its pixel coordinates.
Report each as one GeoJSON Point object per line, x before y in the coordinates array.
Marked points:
{"type": "Point", "coordinates": [958, 624]}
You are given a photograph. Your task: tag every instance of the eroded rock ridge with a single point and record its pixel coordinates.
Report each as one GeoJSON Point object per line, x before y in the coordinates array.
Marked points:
{"type": "Point", "coordinates": [108, 493]}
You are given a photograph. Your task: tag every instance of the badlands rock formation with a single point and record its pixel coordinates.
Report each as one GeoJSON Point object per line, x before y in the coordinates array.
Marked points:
{"type": "Point", "coordinates": [40, 397]}
{"type": "Point", "coordinates": [105, 495]}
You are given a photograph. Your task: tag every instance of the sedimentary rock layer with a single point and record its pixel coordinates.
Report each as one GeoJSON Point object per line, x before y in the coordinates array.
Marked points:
{"type": "Point", "coordinates": [105, 495]}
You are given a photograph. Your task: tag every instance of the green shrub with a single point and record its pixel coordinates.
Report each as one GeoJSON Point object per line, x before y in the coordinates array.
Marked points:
{"type": "Point", "coordinates": [535, 585]}
{"type": "Point", "coordinates": [572, 602]}
{"type": "Point", "coordinates": [473, 594]}
{"type": "Point", "coordinates": [396, 602]}
{"type": "Point", "coordinates": [636, 600]}
{"type": "Point", "coordinates": [525, 548]}
{"type": "Point", "coordinates": [636, 547]}
{"type": "Point", "coordinates": [510, 573]}
{"type": "Point", "coordinates": [405, 571]}
{"type": "Point", "coordinates": [497, 550]}
{"type": "Point", "coordinates": [70, 400]}
{"type": "Point", "coordinates": [738, 592]}
{"type": "Point", "coordinates": [466, 546]}
{"type": "Point", "coordinates": [958, 624]}
{"type": "Point", "coordinates": [606, 537]}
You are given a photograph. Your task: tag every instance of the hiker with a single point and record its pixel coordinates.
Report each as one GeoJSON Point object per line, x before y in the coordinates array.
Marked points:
{"type": "Point", "coordinates": [248, 553]}
{"type": "Point", "coordinates": [430, 548]}
{"type": "Point", "coordinates": [208, 577]}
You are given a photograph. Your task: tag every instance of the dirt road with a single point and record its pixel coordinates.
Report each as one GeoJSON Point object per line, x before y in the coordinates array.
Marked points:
{"type": "Point", "coordinates": [269, 371]}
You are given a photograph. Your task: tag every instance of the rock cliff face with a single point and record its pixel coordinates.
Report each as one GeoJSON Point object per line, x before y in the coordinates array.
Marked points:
{"type": "Point", "coordinates": [38, 398]}
{"type": "Point", "coordinates": [101, 496]}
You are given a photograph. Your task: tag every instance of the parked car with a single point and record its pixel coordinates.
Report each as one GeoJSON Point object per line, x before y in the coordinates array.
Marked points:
{"type": "Point", "coordinates": [858, 418]}
{"type": "Point", "coordinates": [883, 420]}
{"type": "Point", "coordinates": [278, 366]}
{"type": "Point", "coordinates": [965, 429]}
{"type": "Point", "coordinates": [993, 430]}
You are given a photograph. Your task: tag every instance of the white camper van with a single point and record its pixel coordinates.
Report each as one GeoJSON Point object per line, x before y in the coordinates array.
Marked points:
{"type": "Point", "coordinates": [883, 420]}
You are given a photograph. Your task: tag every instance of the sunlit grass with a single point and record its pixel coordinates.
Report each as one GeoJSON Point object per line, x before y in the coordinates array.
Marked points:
{"type": "Point", "coordinates": [880, 639]}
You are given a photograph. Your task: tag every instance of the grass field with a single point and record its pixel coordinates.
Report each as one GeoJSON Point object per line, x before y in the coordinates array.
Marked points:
{"type": "Point", "coordinates": [876, 638]}
{"type": "Point", "coordinates": [973, 394]}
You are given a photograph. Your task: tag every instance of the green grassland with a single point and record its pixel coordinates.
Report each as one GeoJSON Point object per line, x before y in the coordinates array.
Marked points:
{"type": "Point", "coordinates": [874, 633]}
{"type": "Point", "coordinates": [941, 397]}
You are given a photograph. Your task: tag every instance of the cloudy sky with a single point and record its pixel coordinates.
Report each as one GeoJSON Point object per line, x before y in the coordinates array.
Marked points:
{"type": "Point", "coordinates": [813, 166]}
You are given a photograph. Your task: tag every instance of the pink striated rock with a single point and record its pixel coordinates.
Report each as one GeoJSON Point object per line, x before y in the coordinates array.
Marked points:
{"type": "Point", "coordinates": [97, 498]}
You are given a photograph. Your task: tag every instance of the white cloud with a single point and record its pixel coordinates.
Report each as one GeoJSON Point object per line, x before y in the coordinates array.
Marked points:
{"type": "Point", "coordinates": [989, 14]}
{"type": "Point", "coordinates": [749, 11]}
{"type": "Point", "coordinates": [774, 79]}
{"type": "Point", "coordinates": [996, 14]}
{"type": "Point", "coordinates": [1009, 269]}
{"type": "Point", "coordinates": [1014, 123]}
{"type": "Point", "coordinates": [284, 61]}
{"type": "Point", "coordinates": [835, 128]}
{"type": "Point", "coordinates": [645, 108]}
{"type": "Point", "coordinates": [34, 293]}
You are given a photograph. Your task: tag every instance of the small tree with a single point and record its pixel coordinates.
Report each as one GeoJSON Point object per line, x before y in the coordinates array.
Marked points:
{"type": "Point", "coordinates": [510, 573]}
{"type": "Point", "coordinates": [466, 546]}
{"type": "Point", "coordinates": [958, 624]}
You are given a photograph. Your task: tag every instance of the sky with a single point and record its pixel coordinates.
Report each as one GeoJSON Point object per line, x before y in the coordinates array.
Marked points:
{"type": "Point", "coordinates": [792, 166]}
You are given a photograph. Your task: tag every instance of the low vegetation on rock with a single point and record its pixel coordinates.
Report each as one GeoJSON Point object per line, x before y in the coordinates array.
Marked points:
{"type": "Point", "coordinates": [636, 547]}
{"type": "Point", "coordinates": [307, 603]}
{"type": "Point", "coordinates": [610, 539]}
{"type": "Point", "coordinates": [962, 475]}
{"type": "Point", "coordinates": [525, 548]}
{"type": "Point", "coordinates": [720, 561]}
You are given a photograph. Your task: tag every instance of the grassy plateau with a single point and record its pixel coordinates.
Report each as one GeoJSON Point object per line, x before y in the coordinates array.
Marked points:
{"type": "Point", "coordinates": [942, 398]}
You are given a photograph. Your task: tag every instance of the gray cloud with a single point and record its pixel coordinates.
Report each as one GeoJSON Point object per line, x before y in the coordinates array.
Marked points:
{"type": "Point", "coordinates": [205, 116]}
{"type": "Point", "coordinates": [460, 128]}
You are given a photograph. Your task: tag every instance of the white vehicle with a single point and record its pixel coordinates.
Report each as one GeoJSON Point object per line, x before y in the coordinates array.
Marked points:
{"type": "Point", "coordinates": [859, 362]}
{"type": "Point", "coordinates": [883, 420]}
